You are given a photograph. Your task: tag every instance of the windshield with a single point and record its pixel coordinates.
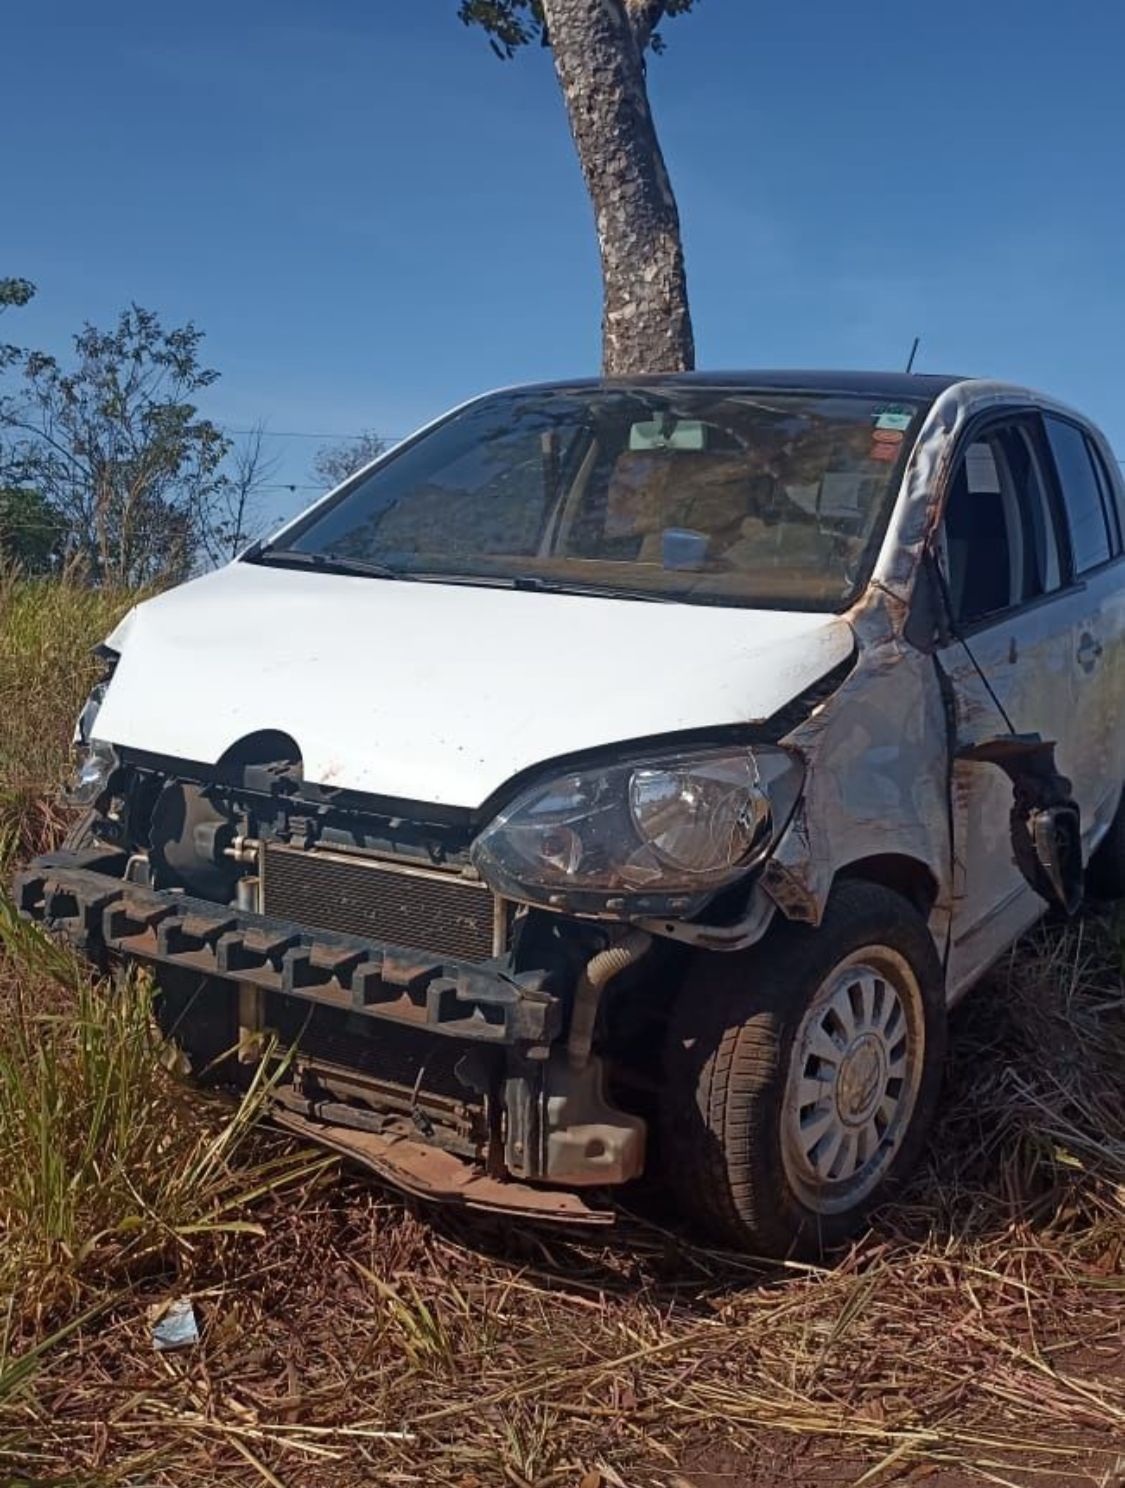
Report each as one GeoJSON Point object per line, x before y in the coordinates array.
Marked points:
{"type": "Point", "coordinates": [775, 499]}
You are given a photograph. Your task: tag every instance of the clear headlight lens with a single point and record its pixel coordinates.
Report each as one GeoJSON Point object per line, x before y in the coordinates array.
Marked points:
{"type": "Point", "coordinates": [84, 726]}
{"type": "Point", "coordinates": [94, 760]}
{"type": "Point", "coordinates": [683, 825]}
{"type": "Point", "coordinates": [702, 816]}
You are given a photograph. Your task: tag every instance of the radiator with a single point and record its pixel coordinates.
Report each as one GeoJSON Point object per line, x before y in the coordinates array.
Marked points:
{"type": "Point", "coordinates": [414, 907]}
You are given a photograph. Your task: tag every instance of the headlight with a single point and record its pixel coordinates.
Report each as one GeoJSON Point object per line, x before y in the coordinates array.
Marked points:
{"type": "Point", "coordinates": [94, 764]}
{"type": "Point", "coordinates": [84, 726]}
{"type": "Point", "coordinates": [94, 760]}
{"type": "Point", "coordinates": [652, 835]}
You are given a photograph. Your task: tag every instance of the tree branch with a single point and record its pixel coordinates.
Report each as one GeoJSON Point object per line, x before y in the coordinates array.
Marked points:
{"type": "Point", "coordinates": [644, 17]}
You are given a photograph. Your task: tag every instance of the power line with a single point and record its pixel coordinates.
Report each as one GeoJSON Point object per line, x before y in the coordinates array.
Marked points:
{"type": "Point", "coordinates": [268, 433]}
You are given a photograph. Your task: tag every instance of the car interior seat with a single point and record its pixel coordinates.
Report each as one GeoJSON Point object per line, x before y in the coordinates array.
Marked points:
{"type": "Point", "coordinates": [706, 491]}
{"type": "Point", "coordinates": [976, 536]}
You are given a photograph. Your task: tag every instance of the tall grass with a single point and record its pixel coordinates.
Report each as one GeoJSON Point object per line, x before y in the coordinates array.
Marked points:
{"type": "Point", "coordinates": [108, 1169]}
{"type": "Point", "coordinates": [48, 629]}
{"type": "Point", "coordinates": [113, 1179]}
{"type": "Point", "coordinates": [111, 1174]}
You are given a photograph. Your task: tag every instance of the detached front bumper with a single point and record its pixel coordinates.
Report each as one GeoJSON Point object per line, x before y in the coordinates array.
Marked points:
{"type": "Point", "coordinates": [547, 1124]}
{"type": "Point", "coordinates": [81, 896]}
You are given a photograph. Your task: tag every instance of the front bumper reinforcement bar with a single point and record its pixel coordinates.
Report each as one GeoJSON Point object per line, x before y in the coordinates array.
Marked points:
{"type": "Point", "coordinates": [98, 912]}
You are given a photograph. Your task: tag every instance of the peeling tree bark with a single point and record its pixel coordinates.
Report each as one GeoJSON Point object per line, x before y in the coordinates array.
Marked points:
{"type": "Point", "coordinates": [598, 47]}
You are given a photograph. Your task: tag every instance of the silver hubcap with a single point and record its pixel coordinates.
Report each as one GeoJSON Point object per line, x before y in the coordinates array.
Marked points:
{"type": "Point", "coordinates": [853, 1080]}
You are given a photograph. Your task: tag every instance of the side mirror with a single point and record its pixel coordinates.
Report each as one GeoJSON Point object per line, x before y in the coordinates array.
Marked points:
{"type": "Point", "coordinates": [1045, 822]}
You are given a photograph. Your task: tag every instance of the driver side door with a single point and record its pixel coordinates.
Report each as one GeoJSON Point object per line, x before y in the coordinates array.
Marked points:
{"type": "Point", "coordinates": [1008, 668]}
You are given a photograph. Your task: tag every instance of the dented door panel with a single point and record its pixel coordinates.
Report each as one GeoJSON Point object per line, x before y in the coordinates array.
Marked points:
{"type": "Point", "coordinates": [1026, 659]}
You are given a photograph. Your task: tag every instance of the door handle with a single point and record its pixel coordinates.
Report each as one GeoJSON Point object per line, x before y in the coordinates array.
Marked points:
{"type": "Point", "coordinates": [1089, 650]}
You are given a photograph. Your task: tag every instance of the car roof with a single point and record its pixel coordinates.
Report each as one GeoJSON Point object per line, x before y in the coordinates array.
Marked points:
{"type": "Point", "coordinates": [921, 386]}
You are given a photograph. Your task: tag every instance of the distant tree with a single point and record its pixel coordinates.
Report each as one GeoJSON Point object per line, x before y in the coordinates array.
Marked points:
{"type": "Point", "coordinates": [30, 531]}
{"type": "Point", "coordinates": [14, 293]}
{"type": "Point", "coordinates": [599, 48]}
{"type": "Point", "coordinates": [236, 518]}
{"type": "Point", "coordinates": [333, 463]}
{"type": "Point", "coordinates": [115, 446]}
{"type": "Point", "coordinates": [31, 534]}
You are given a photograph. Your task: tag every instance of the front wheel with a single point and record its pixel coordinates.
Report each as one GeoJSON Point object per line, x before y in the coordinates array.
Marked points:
{"type": "Point", "coordinates": [1105, 872]}
{"type": "Point", "coordinates": [803, 1074]}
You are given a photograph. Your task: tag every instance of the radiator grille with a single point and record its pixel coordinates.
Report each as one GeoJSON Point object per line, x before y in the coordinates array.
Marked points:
{"type": "Point", "coordinates": [426, 912]}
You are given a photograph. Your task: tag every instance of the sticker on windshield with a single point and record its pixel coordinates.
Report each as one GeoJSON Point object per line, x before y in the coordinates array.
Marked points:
{"type": "Point", "coordinates": [885, 444]}
{"type": "Point", "coordinates": [887, 452]}
{"type": "Point", "coordinates": [894, 418]}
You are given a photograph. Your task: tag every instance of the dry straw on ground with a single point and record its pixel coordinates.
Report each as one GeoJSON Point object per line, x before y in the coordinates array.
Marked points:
{"type": "Point", "coordinates": [980, 1325]}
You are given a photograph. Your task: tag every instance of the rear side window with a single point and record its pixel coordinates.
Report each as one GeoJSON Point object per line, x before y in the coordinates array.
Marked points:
{"type": "Point", "coordinates": [1093, 528]}
{"type": "Point", "coordinates": [1110, 493]}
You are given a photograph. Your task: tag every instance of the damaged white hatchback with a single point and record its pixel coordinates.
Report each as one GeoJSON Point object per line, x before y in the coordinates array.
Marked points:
{"type": "Point", "coordinates": [622, 779]}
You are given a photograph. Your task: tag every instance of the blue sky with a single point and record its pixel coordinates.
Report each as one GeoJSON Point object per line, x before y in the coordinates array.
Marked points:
{"type": "Point", "coordinates": [372, 218]}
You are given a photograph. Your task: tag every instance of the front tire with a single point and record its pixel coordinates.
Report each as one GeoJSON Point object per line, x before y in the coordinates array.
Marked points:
{"type": "Point", "coordinates": [1105, 872]}
{"type": "Point", "coordinates": [803, 1074]}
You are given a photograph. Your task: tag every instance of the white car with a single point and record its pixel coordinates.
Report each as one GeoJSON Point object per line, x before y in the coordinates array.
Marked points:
{"type": "Point", "coordinates": [620, 779]}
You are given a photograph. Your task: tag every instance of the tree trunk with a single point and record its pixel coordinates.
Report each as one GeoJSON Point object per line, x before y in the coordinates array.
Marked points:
{"type": "Point", "coordinates": [646, 323]}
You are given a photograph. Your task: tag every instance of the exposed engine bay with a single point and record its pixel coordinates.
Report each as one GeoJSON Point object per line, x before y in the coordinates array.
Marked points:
{"type": "Point", "coordinates": [287, 925]}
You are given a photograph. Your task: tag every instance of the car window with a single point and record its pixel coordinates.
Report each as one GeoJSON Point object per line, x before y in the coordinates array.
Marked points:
{"type": "Point", "coordinates": [1001, 546]}
{"type": "Point", "coordinates": [1092, 539]}
{"type": "Point", "coordinates": [485, 500]}
{"type": "Point", "coordinates": [703, 494]}
{"type": "Point", "coordinates": [1111, 494]}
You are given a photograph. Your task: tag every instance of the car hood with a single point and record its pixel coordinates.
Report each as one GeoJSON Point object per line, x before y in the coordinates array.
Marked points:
{"type": "Point", "coordinates": [440, 692]}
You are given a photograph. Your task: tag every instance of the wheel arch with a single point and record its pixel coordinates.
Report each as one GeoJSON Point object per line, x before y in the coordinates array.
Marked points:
{"type": "Point", "coordinates": [903, 874]}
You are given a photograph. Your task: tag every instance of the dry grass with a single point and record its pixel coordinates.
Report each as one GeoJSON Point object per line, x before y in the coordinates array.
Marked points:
{"type": "Point", "coordinates": [979, 1328]}
{"type": "Point", "coordinates": [109, 1170]}
{"type": "Point", "coordinates": [47, 631]}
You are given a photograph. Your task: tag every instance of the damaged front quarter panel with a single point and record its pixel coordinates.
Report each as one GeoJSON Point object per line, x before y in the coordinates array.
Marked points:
{"type": "Point", "coordinates": [876, 794]}
{"type": "Point", "coordinates": [878, 751]}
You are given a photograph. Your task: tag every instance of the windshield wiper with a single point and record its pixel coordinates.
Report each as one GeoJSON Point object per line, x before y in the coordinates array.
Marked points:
{"type": "Point", "coordinates": [361, 568]}
{"type": "Point", "coordinates": [536, 584]}
{"type": "Point", "coordinates": [532, 584]}
{"type": "Point", "coordinates": [326, 563]}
